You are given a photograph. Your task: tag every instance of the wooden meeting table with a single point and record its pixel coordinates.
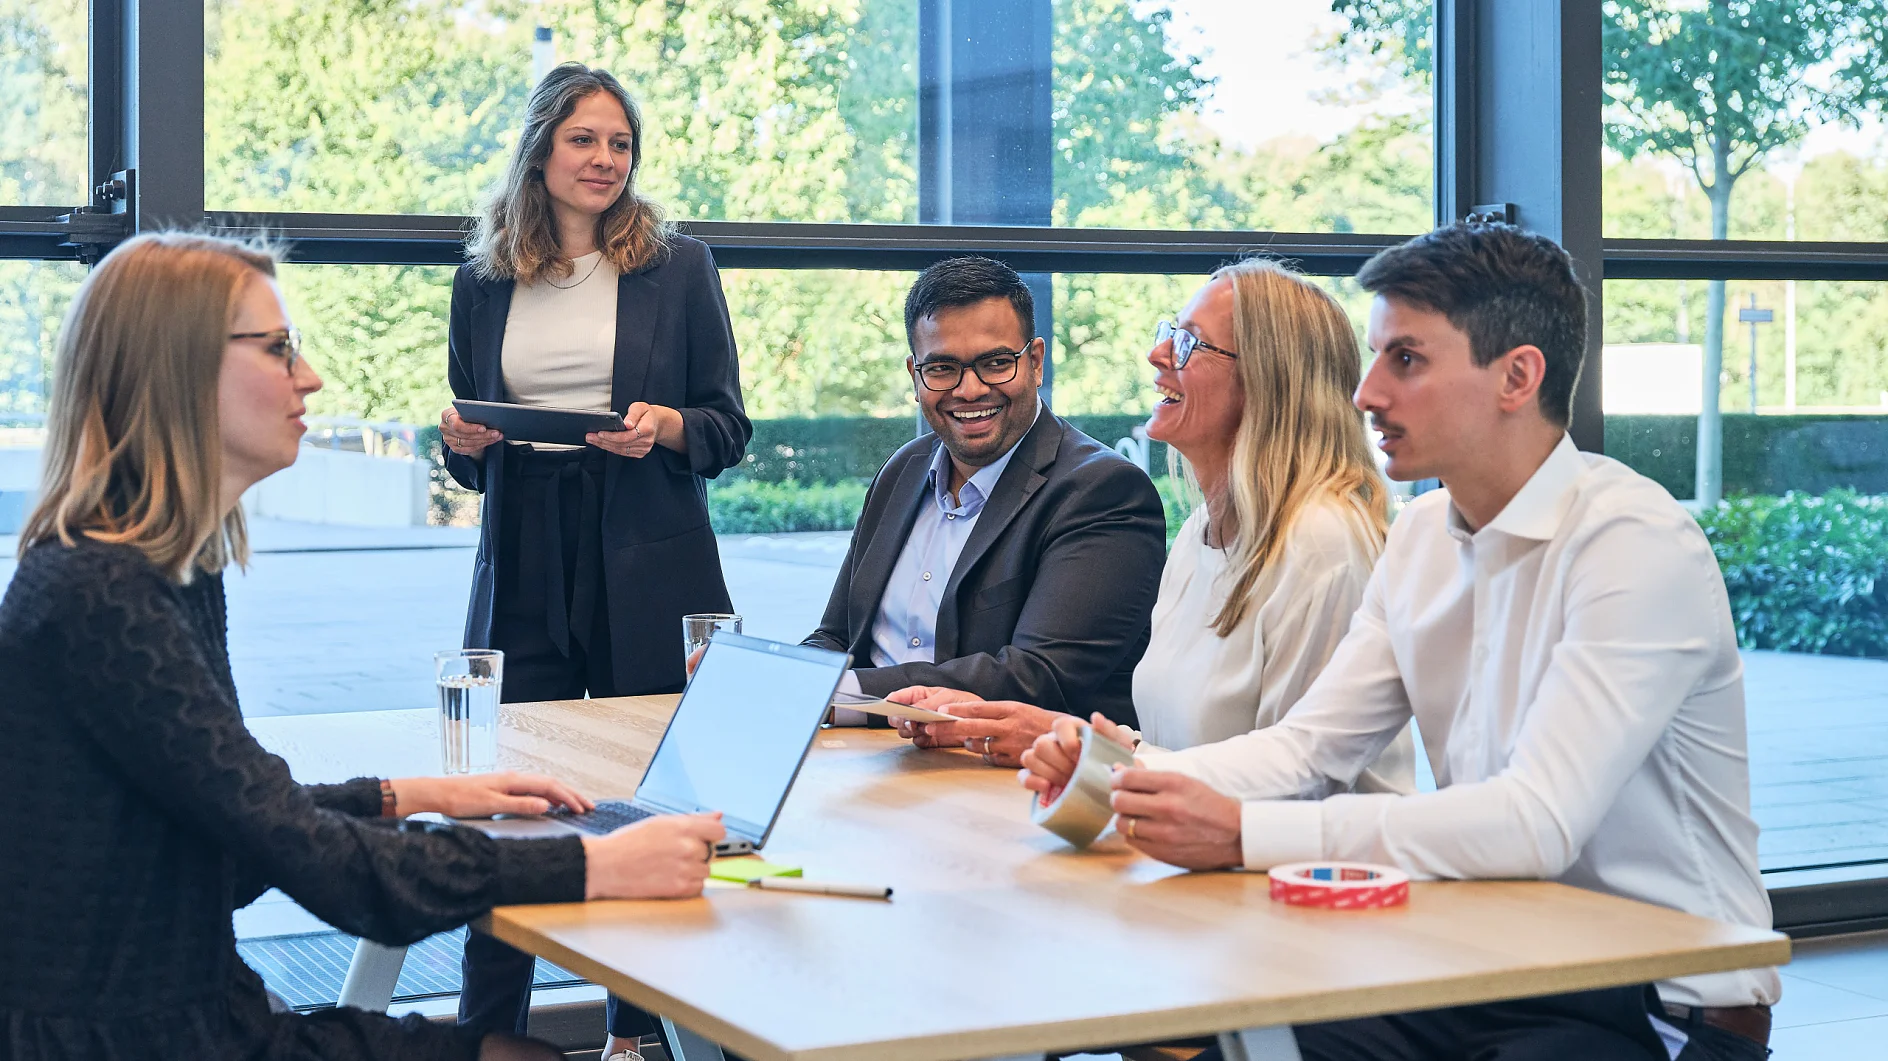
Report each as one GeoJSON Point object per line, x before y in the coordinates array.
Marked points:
{"type": "Point", "coordinates": [1000, 940]}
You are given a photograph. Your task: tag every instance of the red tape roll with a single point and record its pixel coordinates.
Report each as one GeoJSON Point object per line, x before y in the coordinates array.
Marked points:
{"type": "Point", "coordinates": [1340, 885]}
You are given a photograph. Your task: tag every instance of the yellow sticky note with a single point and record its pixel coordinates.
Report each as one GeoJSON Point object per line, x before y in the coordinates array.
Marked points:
{"type": "Point", "coordinates": [743, 870]}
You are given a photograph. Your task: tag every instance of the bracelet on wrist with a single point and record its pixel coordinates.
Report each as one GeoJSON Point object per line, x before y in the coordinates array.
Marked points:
{"type": "Point", "coordinates": [389, 803]}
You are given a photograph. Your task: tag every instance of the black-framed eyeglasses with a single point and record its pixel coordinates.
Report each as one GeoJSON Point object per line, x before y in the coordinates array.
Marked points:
{"type": "Point", "coordinates": [998, 366]}
{"type": "Point", "coordinates": [1184, 343]}
{"type": "Point", "coordinates": [285, 343]}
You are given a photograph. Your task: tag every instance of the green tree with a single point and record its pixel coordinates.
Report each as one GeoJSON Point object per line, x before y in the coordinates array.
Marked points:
{"type": "Point", "coordinates": [42, 163]}
{"type": "Point", "coordinates": [1718, 87]}
{"type": "Point", "coordinates": [1715, 85]}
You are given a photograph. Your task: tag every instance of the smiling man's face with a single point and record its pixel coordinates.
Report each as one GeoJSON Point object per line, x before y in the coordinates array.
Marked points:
{"type": "Point", "coordinates": [977, 421]}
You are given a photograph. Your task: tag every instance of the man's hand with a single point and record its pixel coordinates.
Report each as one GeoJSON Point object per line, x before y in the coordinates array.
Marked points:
{"type": "Point", "coordinates": [658, 858]}
{"type": "Point", "coordinates": [1050, 761]}
{"type": "Point", "coordinates": [645, 426]}
{"type": "Point", "coordinates": [483, 795]}
{"type": "Point", "coordinates": [464, 437]}
{"type": "Point", "coordinates": [1000, 731]}
{"type": "Point", "coordinates": [1177, 819]}
{"type": "Point", "coordinates": [929, 697]}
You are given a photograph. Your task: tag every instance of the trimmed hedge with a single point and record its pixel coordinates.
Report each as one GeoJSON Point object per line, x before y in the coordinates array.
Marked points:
{"type": "Point", "coordinates": [834, 449]}
{"type": "Point", "coordinates": [747, 507]}
{"type": "Point", "coordinates": [1805, 573]}
{"type": "Point", "coordinates": [1763, 455]}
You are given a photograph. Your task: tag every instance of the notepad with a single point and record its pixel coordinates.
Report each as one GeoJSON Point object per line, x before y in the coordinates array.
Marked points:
{"type": "Point", "coordinates": [742, 870]}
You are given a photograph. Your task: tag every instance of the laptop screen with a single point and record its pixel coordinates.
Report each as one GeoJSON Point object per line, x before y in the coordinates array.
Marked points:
{"type": "Point", "coordinates": [741, 731]}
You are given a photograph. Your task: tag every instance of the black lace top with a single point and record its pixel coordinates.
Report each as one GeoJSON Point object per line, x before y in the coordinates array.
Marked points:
{"type": "Point", "coordinates": [140, 813]}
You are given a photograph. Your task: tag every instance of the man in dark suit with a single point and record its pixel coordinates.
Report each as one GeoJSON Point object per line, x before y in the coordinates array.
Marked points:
{"type": "Point", "coordinates": [1006, 554]}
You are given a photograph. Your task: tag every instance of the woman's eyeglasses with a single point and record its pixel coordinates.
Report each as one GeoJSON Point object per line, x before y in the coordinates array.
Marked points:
{"type": "Point", "coordinates": [1184, 343]}
{"type": "Point", "coordinates": [944, 374]}
{"type": "Point", "coordinates": [285, 343]}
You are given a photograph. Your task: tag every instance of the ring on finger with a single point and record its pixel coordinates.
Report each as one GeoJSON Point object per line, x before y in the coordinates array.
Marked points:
{"type": "Point", "coordinates": [1129, 829]}
{"type": "Point", "coordinates": [987, 742]}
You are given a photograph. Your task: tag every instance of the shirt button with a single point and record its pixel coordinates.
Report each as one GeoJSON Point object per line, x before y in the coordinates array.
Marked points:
{"type": "Point", "coordinates": [950, 515]}
{"type": "Point", "coordinates": [916, 641]}
{"type": "Point", "coordinates": [927, 576]}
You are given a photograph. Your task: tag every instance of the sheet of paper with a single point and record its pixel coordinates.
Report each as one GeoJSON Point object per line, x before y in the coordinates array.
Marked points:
{"type": "Point", "coordinates": [874, 706]}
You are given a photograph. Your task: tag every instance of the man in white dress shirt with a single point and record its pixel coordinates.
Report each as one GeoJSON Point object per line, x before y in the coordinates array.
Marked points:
{"type": "Point", "coordinates": [1556, 625]}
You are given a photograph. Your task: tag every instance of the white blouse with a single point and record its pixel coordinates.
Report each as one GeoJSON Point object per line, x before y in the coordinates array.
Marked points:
{"type": "Point", "coordinates": [1195, 687]}
{"type": "Point", "coordinates": [560, 342]}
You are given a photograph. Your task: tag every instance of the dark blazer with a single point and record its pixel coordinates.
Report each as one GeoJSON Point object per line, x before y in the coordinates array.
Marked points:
{"type": "Point", "coordinates": [1052, 598]}
{"type": "Point", "coordinates": [674, 347]}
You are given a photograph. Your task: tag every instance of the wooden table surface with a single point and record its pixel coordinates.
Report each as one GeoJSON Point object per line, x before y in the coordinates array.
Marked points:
{"type": "Point", "coordinates": [1000, 939]}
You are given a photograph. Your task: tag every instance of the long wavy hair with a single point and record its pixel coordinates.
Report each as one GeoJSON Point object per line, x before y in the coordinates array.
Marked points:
{"type": "Point", "coordinates": [1300, 439]}
{"type": "Point", "coordinates": [134, 452]}
{"type": "Point", "coordinates": [515, 234]}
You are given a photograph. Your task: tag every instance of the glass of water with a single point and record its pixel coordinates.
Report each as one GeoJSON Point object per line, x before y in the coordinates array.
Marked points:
{"type": "Point", "coordinates": [469, 680]}
{"type": "Point", "coordinates": [697, 629]}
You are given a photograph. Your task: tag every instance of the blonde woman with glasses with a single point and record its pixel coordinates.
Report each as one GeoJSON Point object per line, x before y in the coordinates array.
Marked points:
{"type": "Point", "coordinates": [179, 385]}
{"type": "Point", "coordinates": [1255, 381]}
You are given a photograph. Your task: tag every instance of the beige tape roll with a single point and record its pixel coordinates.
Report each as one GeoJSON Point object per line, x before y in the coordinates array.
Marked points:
{"type": "Point", "coordinates": [1084, 809]}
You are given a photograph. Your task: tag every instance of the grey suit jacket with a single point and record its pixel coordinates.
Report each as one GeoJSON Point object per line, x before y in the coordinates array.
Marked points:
{"type": "Point", "coordinates": [1052, 598]}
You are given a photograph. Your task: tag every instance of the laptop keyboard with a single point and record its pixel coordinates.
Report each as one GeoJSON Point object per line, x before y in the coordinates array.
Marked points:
{"type": "Point", "coordinates": [609, 816]}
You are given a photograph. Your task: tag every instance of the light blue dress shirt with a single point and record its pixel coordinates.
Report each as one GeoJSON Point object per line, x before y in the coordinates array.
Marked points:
{"type": "Point", "coordinates": [905, 629]}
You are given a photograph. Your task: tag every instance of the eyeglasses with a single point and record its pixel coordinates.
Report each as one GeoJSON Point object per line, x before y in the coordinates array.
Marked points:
{"type": "Point", "coordinates": [944, 374]}
{"type": "Point", "coordinates": [1184, 343]}
{"type": "Point", "coordinates": [285, 343]}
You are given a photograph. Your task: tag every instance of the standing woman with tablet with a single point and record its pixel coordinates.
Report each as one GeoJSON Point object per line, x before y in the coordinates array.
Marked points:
{"type": "Point", "coordinates": [576, 295]}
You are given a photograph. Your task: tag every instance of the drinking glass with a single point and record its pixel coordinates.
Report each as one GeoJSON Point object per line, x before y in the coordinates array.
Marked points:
{"type": "Point", "coordinates": [697, 629]}
{"type": "Point", "coordinates": [469, 681]}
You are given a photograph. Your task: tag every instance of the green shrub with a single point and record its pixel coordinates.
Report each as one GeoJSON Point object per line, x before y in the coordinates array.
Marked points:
{"type": "Point", "coordinates": [1178, 499]}
{"type": "Point", "coordinates": [746, 506]}
{"type": "Point", "coordinates": [1805, 572]}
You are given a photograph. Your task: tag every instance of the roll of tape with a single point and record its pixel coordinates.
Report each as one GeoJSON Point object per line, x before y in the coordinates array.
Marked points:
{"type": "Point", "coordinates": [1340, 885]}
{"type": "Point", "coordinates": [1084, 808]}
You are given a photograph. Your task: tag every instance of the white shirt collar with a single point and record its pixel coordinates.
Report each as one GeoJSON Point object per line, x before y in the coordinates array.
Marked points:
{"type": "Point", "coordinates": [1536, 510]}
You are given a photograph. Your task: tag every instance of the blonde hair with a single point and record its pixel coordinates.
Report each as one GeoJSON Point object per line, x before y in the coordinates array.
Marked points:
{"type": "Point", "coordinates": [134, 453]}
{"type": "Point", "coordinates": [515, 235]}
{"type": "Point", "coordinates": [1299, 439]}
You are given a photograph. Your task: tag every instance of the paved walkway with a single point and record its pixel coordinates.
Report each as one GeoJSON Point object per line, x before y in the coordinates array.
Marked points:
{"type": "Point", "coordinates": [333, 619]}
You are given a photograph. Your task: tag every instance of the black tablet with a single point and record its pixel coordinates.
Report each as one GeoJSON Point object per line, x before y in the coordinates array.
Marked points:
{"type": "Point", "coordinates": [538, 423]}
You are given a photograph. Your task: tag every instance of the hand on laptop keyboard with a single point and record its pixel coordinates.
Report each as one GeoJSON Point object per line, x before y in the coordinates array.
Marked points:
{"type": "Point", "coordinates": [609, 816]}
{"type": "Point", "coordinates": [663, 857]}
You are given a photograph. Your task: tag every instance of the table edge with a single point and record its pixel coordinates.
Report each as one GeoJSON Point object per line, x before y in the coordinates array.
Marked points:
{"type": "Point", "coordinates": [1772, 949]}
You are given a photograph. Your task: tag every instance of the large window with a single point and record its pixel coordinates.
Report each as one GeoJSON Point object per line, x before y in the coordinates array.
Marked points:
{"type": "Point", "coordinates": [1086, 113]}
{"type": "Point", "coordinates": [42, 103]}
{"type": "Point", "coordinates": [1801, 535]}
{"type": "Point", "coordinates": [1115, 150]}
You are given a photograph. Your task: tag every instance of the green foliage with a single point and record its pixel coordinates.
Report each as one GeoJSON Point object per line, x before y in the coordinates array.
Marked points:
{"type": "Point", "coordinates": [1718, 85]}
{"type": "Point", "coordinates": [1805, 573]}
{"type": "Point", "coordinates": [1179, 500]}
{"type": "Point", "coordinates": [1399, 33]}
{"type": "Point", "coordinates": [750, 507]}
{"type": "Point", "coordinates": [42, 103]}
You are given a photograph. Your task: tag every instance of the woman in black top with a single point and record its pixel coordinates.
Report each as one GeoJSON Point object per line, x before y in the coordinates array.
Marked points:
{"type": "Point", "coordinates": [576, 295]}
{"type": "Point", "coordinates": [178, 387]}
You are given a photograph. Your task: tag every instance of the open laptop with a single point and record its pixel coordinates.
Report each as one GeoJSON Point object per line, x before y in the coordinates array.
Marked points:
{"type": "Point", "coordinates": [735, 744]}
